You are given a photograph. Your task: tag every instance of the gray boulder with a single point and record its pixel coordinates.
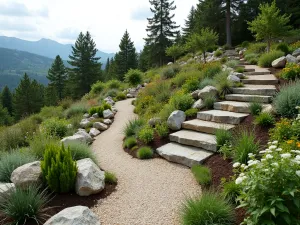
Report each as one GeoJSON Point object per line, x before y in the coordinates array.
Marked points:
{"type": "Point", "coordinates": [90, 179]}
{"type": "Point", "coordinates": [108, 114]}
{"type": "Point", "coordinates": [84, 123]}
{"type": "Point", "coordinates": [170, 63]}
{"type": "Point", "coordinates": [280, 62]}
{"type": "Point", "coordinates": [109, 100]}
{"type": "Point", "coordinates": [239, 75]}
{"type": "Point", "coordinates": [199, 104]}
{"type": "Point", "coordinates": [107, 121]}
{"type": "Point", "coordinates": [86, 115]}
{"type": "Point", "coordinates": [27, 174]}
{"type": "Point", "coordinates": [95, 115]}
{"type": "Point", "coordinates": [298, 58]}
{"type": "Point", "coordinates": [80, 136]}
{"type": "Point", "coordinates": [77, 215]}
{"type": "Point", "coordinates": [207, 91]}
{"type": "Point", "coordinates": [233, 78]}
{"type": "Point", "coordinates": [195, 94]}
{"type": "Point", "coordinates": [94, 132]}
{"type": "Point", "coordinates": [291, 59]}
{"type": "Point", "coordinates": [6, 188]}
{"type": "Point", "coordinates": [100, 126]}
{"type": "Point", "coordinates": [176, 119]}
{"type": "Point", "coordinates": [296, 52]}
{"type": "Point", "coordinates": [129, 96]}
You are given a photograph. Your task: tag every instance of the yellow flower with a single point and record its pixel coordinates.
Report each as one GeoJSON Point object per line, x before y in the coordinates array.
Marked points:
{"type": "Point", "coordinates": [298, 144]}
{"type": "Point", "coordinates": [290, 142]}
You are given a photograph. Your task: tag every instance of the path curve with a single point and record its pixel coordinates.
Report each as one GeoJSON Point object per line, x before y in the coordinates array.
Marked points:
{"type": "Point", "coordinates": [149, 192]}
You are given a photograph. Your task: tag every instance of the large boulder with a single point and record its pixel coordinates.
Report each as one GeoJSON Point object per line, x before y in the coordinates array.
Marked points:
{"type": "Point", "coordinates": [90, 179]}
{"type": "Point", "coordinates": [94, 132]}
{"type": "Point", "coordinates": [233, 78]}
{"type": "Point", "coordinates": [170, 63]}
{"type": "Point", "coordinates": [28, 174]}
{"type": "Point", "coordinates": [176, 119]}
{"type": "Point", "coordinates": [108, 114]}
{"type": "Point", "coordinates": [100, 126]}
{"type": "Point", "coordinates": [280, 62]}
{"type": "Point", "coordinates": [199, 104]}
{"type": "Point", "coordinates": [296, 52]}
{"type": "Point", "coordinates": [291, 59]}
{"type": "Point", "coordinates": [207, 91]}
{"type": "Point", "coordinates": [81, 136]}
{"type": "Point", "coordinates": [6, 188]}
{"type": "Point", "coordinates": [77, 215]}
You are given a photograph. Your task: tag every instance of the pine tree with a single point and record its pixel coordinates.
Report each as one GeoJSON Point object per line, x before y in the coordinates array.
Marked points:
{"type": "Point", "coordinates": [6, 100]}
{"type": "Point", "coordinates": [126, 58]}
{"type": "Point", "coordinates": [51, 97]}
{"type": "Point", "coordinates": [190, 23]}
{"type": "Point", "coordinates": [58, 76]}
{"type": "Point", "coordinates": [111, 70]}
{"type": "Point", "coordinates": [161, 29]}
{"type": "Point", "coordinates": [86, 67]}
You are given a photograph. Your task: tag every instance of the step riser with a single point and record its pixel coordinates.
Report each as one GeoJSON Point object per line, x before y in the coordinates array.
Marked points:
{"type": "Point", "coordinates": [256, 73]}
{"type": "Point", "coordinates": [249, 70]}
{"type": "Point", "coordinates": [220, 119]}
{"type": "Point", "coordinates": [231, 108]}
{"type": "Point", "coordinates": [195, 143]}
{"type": "Point", "coordinates": [261, 82]}
{"type": "Point", "coordinates": [260, 99]}
{"type": "Point", "coordinates": [254, 92]}
{"type": "Point", "coordinates": [207, 130]}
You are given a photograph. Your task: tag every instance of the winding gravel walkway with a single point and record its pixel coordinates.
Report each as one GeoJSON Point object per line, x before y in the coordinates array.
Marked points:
{"type": "Point", "coordinates": [148, 192]}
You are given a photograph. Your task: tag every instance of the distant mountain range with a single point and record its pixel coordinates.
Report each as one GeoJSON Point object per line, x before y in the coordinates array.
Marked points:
{"type": "Point", "coordinates": [33, 57]}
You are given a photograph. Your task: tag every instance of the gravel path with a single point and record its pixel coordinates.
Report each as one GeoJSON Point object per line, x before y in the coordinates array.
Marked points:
{"type": "Point", "coordinates": [148, 192]}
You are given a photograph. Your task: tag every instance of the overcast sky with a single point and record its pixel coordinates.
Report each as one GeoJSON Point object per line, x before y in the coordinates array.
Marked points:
{"type": "Point", "coordinates": [62, 20]}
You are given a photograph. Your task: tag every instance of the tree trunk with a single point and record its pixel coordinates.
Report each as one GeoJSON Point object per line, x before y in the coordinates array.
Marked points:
{"type": "Point", "coordinates": [228, 24]}
{"type": "Point", "coordinates": [204, 56]}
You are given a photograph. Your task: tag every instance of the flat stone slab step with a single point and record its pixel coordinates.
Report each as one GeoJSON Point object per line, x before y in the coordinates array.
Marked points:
{"type": "Point", "coordinates": [248, 70]}
{"type": "Point", "coordinates": [260, 79]}
{"type": "Point", "coordinates": [196, 139]}
{"type": "Point", "coordinates": [248, 89]}
{"type": "Point", "coordinates": [221, 116]}
{"type": "Point", "coordinates": [249, 98]}
{"type": "Point", "coordinates": [182, 154]}
{"type": "Point", "coordinates": [257, 73]}
{"type": "Point", "coordinates": [205, 126]}
{"type": "Point", "coordinates": [233, 106]}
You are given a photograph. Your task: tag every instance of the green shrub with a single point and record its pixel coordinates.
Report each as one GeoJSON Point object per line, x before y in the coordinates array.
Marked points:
{"type": "Point", "coordinates": [211, 69]}
{"type": "Point", "coordinates": [181, 101]}
{"type": "Point", "coordinates": [253, 61]}
{"type": "Point", "coordinates": [134, 77]}
{"type": "Point", "coordinates": [110, 178]}
{"type": "Point", "coordinates": [266, 59]}
{"type": "Point", "coordinates": [24, 205]}
{"type": "Point", "coordinates": [207, 82]}
{"type": "Point", "coordinates": [256, 48]}
{"type": "Point", "coordinates": [113, 84]}
{"type": "Point", "coordinates": [39, 142]}
{"type": "Point", "coordinates": [66, 103]}
{"type": "Point", "coordinates": [55, 127]}
{"type": "Point", "coordinates": [170, 71]}
{"type": "Point", "coordinates": [120, 96]}
{"type": "Point", "coordinates": [231, 191]}
{"type": "Point", "coordinates": [105, 106]}
{"type": "Point", "coordinates": [245, 44]}
{"type": "Point", "coordinates": [202, 174]}
{"type": "Point", "coordinates": [290, 72]}
{"type": "Point", "coordinates": [51, 111]}
{"type": "Point", "coordinates": [191, 85]}
{"type": "Point", "coordinates": [209, 209]}
{"type": "Point", "coordinates": [78, 108]}
{"type": "Point", "coordinates": [243, 144]}
{"type": "Point", "coordinates": [133, 127]}
{"type": "Point", "coordinates": [11, 138]}
{"type": "Point", "coordinates": [224, 59]}
{"type": "Point", "coordinates": [223, 84]}
{"type": "Point", "coordinates": [80, 150]}
{"type": "Point", "coordinates": [218, 53]}
{"type": "Point", "coordinates": [97, 109]}
{"type": "Point", "coordinates": [209, 102]}
{"type": "Point", "coordinates": [232, 63]}
{"type": "Point", "coordinates": [5, 118]}
{"type": "Point", "coordinates": [112, 93]}
{"type": "Point", "coordinates": [191, 112]}
{"type": "Point", "coordinates": [255, 108]}
{"type": "Point", "coordinates": [146, 134]}
{"type": "Point", "coordinates": [223, 136]}
{"type": "Point", "coordinates": [283, 47]}
{"type": "Point", "coordinates": [250, 57]}
{"type": "Point", "coordinates": [12, 160]}
{"type": "Point", "coordinates": [283, 130]}
{"type": "Point", "coordinates": [166, 111]}
{"type": "Point", "coordinates": [265, 119]}
{"type": "Point", "coordinates": [98, 87]}
{"type": "Point", "coordinates": [287, 100]}
{"type": "Point", "coordinates": [130, 142]}
{"type": "Point", "coordinates": [145, 153]}
{"type": "Point", "coordinates": [240, 69]}
{"type": "Point", "coordinates": [75, 121]}
{"type": "Point", "coordinates": [162, 129]}
{"type": "Point", "coordinates": [59, 169]}
{"type": "Point", "coordinates": [226, 150]}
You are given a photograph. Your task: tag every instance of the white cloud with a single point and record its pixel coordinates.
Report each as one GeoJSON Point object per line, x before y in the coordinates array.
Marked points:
{"type": "Point", "coordinates": [107, 21]}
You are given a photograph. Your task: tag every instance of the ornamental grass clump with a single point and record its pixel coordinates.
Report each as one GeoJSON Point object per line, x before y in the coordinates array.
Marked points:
{"type": "Point", "coordinates": [202, 174]}
{"type": "Point", "coordinates": [145, 153]}
{"type": "Point", "coordinates": [270, 183]}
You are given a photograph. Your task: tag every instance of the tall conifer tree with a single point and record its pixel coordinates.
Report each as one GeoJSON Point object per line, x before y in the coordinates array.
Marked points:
{"type": "Point", "coordinates": [6, 100]}
{"type": "Point", "coordinates": [190, 23]}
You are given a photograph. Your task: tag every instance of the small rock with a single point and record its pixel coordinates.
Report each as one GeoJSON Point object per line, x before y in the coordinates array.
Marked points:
{"type": "Point", "coordinates": [298, 58]}
{"type": "Point", "coordinates": [207, 91]}
{"type": "Point", "coordinates": [90, 179]}
{"type": "Point", "coordinates": [153, 121]}
{"type": "Point", "coordinates": [239, 75]}
{"type": "Point", "coordinates": [6, 188]}
{"type": "Point", "coordinates": [291, 59]}
{"type": "Point", "coordinates": [100, 126]}
{"type": "Point", "coordinates": [176, 119]}
{"type": "Point", "coordinates": [95, 115]}
{"type": "Point", "coordinates": [85, 123]}
{"type": "Point", "coordinates": [81, 136]}
{"type": "Point", "coordinates": [269, 109]}
{"type": "Point", "coordinates": [199, 104]}
{"type": "Point", "coordinates": [69, 126]}
{"type": "Point", "coordinates": [280, 62]}
{"type": "Point", "coordinates": [107, 121]}
{"type": "Point", "coordinates": [109, 100]}
{"type": "Point", "coordinates": [108, 114]}
{"type": "Point", "coordinates": [77, 215]}
{"type": "Point", "coordinates": [129, 96]}
{"type": "Point", "coordinates": [296, 52]}
{"type": "Point", "coordinates": [195, 94]}
{"type": "Point", "coordinates": [139, 87]}
{"type": "Point", "coordinates": [233, 78]}
{"type": "Point", "coordinates": [170, 63]}
{"type": "Point", "coordinates": [86, 115]}
{"type": "Point", "coordinates": [27, 174]}
{"type": "Point", "coordinates": [94, 132]}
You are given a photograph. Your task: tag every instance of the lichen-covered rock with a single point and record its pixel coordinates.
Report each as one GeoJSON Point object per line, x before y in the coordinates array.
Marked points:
{"type": "Point", "coordinates": [100, 126]}
{"type": "Point", "coordinates": [94, 132]}
{"type": "Point", "coordinates": [233, 78]}
{"type": "Point", "coordinates": [77, 215]}
{"type": "Point", "coordinates": [90, 179]}
{"type": "Point", "coordinates": [108, 114]}
{"type": "Point", "coordinates": [176, 119]}
{"type": "Point", "coordinates": [207, 91]}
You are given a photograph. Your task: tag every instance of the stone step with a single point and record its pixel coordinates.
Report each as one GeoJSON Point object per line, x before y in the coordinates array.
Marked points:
{"type": "Point", "coordinates": [248, 89]}
{"type": "Point", "coordinates": [249, 98]}
{"type": "Point", "coordinates": [233, 106]}
{"type": "Point", "coordinates": [205, 126]}
{"type": "Point", "coordinates": [260, 79]}
{"type": "Point", "coordinates": [196, 139]}
{"type": "Point", "coordinates": [220, 116]}
{"type": "Point", "coordinates": [182, 154]}
{"type": "Point", "coordinates": [257, 73]}
{"type": "Point", "coordinates": [249, 70]}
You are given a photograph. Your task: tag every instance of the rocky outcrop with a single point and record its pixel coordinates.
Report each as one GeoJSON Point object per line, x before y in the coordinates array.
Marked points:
{"type": "Point", "coordinates": [176, 119]}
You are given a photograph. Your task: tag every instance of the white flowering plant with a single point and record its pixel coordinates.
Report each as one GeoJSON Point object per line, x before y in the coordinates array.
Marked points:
{"type": "Point", "coordinates": [270, 186]}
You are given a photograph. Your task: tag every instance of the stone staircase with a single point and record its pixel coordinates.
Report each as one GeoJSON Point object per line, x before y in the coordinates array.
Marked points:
{"type": "Point", "coordinates": [197, 141]}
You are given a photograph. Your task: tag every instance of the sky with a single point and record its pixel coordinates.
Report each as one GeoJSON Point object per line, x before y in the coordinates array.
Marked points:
{"type": "Point", "coordinates": [62, 20]}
